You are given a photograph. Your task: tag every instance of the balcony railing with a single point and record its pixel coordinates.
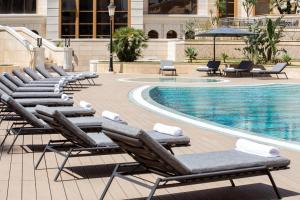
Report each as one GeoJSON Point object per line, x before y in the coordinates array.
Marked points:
{"type": "Point", "coordinates": [289, 22]}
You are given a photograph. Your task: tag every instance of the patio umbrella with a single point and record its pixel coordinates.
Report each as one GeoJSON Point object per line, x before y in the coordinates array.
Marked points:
{"type": "Point", "coordinates": [224, 32]}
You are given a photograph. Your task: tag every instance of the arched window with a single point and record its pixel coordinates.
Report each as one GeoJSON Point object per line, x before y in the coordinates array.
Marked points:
{"type": "Point", "coordinates": [171, 34]}
{"type": "Point", "coordinates": [153, 34]}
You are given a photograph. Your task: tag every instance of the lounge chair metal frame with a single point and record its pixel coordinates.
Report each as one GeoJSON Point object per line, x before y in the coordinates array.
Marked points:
{"type": "Point", "coordinates": [240, 69]}
{"type": "Point", "coordinates": [153, 159]}
{"type": "Point", "coordinates": [167, 181]}
{"type": "Point", "coordinates": [269, 73]}
{"type": "Point", "coordinates": [162, 69]}
{"type": "Point", "coordinates": [61, 72]}
{"type": "Point", "coordinates": [68, 149]}
{"type": "Point", "coordinates": [79, 145]}
{"type": "Point", "coordinates": [213, 68]}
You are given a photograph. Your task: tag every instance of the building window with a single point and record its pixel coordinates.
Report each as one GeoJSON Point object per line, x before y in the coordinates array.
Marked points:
{"type": "Point", "coordinates": [17, 6]}
{"type": "Point", "coordinates": [172, 7]}
{"type": "Point", "coordinates": [153, 34]}
{"type": "Point", "coordinates": [171, 34]}
{"type": "Point", "coordinates": [90, 19]}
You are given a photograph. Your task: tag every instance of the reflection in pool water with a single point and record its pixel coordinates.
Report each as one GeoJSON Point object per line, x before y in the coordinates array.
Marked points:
{"type": "Point", "coordinates": [270, 110]}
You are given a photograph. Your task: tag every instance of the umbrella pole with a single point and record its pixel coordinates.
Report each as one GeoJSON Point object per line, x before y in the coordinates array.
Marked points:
{"type": "Point", "coordinates": [214, 48]}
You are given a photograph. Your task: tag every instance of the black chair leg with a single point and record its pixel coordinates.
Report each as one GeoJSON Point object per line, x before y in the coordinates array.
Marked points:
{"type": "Point", "coordinates": [273, 184]}
{"type": "Point", "coordinates": [109, 182]}
{"type": "Point", "coordinates": [63, 164]}
{"type": "Point", "coordinates": [41, 157]}
{"type": "Point", "coordinates": [232, 183]}
{"type": "Point", "coordinates": [153, 189]}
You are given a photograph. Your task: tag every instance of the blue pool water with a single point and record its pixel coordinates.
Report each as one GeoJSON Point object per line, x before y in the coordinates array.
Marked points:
{"type": "Point", "coordinates": [269, 110]}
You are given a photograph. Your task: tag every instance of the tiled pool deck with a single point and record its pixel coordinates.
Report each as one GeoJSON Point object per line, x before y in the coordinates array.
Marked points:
{"type": "Point", "coordinates": [19, 180]}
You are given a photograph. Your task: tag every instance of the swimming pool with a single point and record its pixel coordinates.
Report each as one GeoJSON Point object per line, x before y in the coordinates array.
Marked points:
{"type": "Point", "coordinates": [173, 79]}
{"type": "Point", "coordinates": [265, 110]}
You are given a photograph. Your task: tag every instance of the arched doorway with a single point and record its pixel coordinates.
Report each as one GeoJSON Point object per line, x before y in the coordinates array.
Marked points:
{"type": "Point", "coordinates": [171, 34]}
{"type": "Point", "coordinates": [153, 34]}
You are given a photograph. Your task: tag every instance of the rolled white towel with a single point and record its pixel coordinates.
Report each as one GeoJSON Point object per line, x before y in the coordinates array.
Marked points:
{"type": "Point", "coordinates": [111, 115]}
{"type": "Point", "coordinates": [256, 69]}
{"type": "Point", "coordinates": [203, 67]}
{"type": "Point", "coordinates": [250, 147]}
{"type": "Point", "coordinates": [230, 68]}
{"type": "Point", "coordinates": [168, 67]}
{"type": "Point", "coordinates": [170, 130]}
{"type": "Point", "coordinates": [56, 90]}
{"type": "Point", "coordinates": [65, 97]}
{"type": "Point", "coordinates": [61, 82]}
{"type": "Point", "coordinates": [85, 105]}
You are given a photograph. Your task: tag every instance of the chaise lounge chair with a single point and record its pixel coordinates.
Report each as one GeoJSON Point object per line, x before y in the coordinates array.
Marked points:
{"type": "Point", "coordinates": [20, 83]}
{"type": "Point", "coordinates": [244, 67]}
{"type": "Point", "coordinates": [183, 169]}
{"type": "Point", "coordinates": [90, 142]}
{"type": "Point", "coordinates": [24, 121]}
{"type": "Point", "coordinates": [167, 66]}
{"type": "Point", "coordinates": [30, 102]}
{"type": "Point", "coordinates": [42, 70]}
{"type": "Point", "coordinates": [211, 68]}
{"type": "Point", "coordinates": [87, 75]}
{"type": "Point", "coordinates": [15, 88]}
{"type": "Point", "coordinates": [26, 80]}
{"type": "Point", "coordinates": [25, 95]}
{"type": "Point", "coordinates": [277, 69]}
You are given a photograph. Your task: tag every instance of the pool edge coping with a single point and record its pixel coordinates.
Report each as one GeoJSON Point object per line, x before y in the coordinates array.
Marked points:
{"type": "Point", "coordinates": [137, 96]}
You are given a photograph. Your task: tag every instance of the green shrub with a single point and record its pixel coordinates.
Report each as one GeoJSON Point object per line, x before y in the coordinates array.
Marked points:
{"type": "Point", "coordinates": [286, 58]}
{"type": "Point", "coordinates": [224, 57]}
{"type": "Point", "coordinates": [191, 53]}
{"type": "Point", "coordinates": [128, 43]}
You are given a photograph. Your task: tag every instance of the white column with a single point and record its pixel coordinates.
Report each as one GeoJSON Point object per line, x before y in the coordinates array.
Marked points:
{"type": "Point", "coordinates": [137, 14]}
{"type": "Point", "coordinates": [52, 22]}
{"type": "Point", "coordinates": [202, 8]}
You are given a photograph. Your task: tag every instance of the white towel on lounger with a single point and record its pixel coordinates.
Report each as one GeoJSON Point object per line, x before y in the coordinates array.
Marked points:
{"type": "Point", "coordinates": [168, 67]}
{"type": "Point", "coordinates": [111, 115]}
{"type": "Point", "coordinates": [85, 105]}
{"type": "Point", "coordinates": [256, 69]}
{"type": "Point", "coordinates": [65, 97]}
{"type": "Point", "coordinates": [203, 67]}
{"type": "Point", "coordinates": [230, 68]}
{"type": "Point", "coordinates": [250, 147]}
{"type": "Point", "coordinates": [56, 90]}
{"type": "Point", "coordinates": [170, 130]}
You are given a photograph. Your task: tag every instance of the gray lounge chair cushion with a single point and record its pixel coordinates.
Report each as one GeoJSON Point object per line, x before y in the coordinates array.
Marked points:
{"type": "Point", "coordinates": [35, 89]}
{"type": "Point", "coordinates": [35, 76]}
{"type": "Point", "coordinates": [61, 72]}
{"type": "Point", "coordinates": [227, 160]}
{"type": "Point", "coordinates": [147, 146]}
{"type": "Point", "coordinates": [21, 76]}
{"type": "Point", "coordinates": [66, 110]}
{"type": "Point", "coordinates": [45, 102]}
{"type": "Point", "coordinates": [276, 69]}
{"type": "Point", "coordinates": [35, 95]}
{"type": "Point", "coordinates": [5, 89]}
{"type": "Point", "coordinates": [8, 83]}
{"type": "Point", "coordinates": [21, 111]}
{"type": "Point", "coordinates": [42, 70]}
{"type": "Point", "coordinates": [19, 83]}
{"type": "Point", "coordinates": [101, 139]}
{"type": "Point", "coordinates": [169, 139]}
{"type": "Point", "coordinates": [87, 121]}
